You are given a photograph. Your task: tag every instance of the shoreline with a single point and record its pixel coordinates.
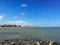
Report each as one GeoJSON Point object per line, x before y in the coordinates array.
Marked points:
{"type": "Point", "coordinates": [27, 42]}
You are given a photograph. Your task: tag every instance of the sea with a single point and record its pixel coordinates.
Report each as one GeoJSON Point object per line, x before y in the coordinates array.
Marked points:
{"type": "Point", "coordinates": [34, 33]}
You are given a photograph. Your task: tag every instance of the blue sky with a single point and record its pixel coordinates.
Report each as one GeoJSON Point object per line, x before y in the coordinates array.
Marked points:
{"type": "Point", "coordinates": [30, 12]}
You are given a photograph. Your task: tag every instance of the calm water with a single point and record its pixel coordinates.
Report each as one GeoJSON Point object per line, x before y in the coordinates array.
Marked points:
{"type": "Point", "coordinates": [44, 33]}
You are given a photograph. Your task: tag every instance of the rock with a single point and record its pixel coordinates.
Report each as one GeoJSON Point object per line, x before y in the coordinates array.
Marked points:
{"type": "Point", "coordinates": [6, 44]}
{"type": "Point", "coordinates": [41, 42]}
{"type": "Point", "coordinates": [52, 43]}
{"type": "Point", "coordinates": [13, 43]}
{"type": "Point", "coordinates": [2, 43]}
{"type": "Point", "coordinates": [32, 43]}
{"type": "Point", "coordinates": [6, 40]}
{"type": "Point", "coordinates": [46, 43]}
{"type": "Point", "coordinates": [37, 43]}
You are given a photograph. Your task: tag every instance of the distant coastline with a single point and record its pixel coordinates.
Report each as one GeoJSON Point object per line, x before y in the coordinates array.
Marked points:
{"type": "Point", "coordinates": [10, 25]}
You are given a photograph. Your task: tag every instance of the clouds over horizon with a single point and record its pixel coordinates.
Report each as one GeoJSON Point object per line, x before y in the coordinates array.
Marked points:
{"type": "Point", "coordinates": [17, 22]}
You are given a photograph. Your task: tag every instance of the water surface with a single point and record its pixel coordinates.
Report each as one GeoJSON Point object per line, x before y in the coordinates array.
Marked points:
{"type": "Point", "coordinates": [43, 33]}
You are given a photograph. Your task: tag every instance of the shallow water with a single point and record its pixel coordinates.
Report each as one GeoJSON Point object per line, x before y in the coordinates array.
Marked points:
{"type": "Point", "coordinates": [43, 33]}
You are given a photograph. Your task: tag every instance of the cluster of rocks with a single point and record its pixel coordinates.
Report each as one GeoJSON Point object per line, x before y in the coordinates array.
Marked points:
{"type": "Point", "coordinates": [28, 42]}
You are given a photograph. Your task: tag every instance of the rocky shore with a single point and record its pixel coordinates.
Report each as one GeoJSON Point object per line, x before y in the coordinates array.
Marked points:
{"type": "Point", "coordinates": [27, 42]}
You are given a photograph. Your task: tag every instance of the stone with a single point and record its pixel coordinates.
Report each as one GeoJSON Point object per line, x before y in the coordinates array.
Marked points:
{"type": "Point", "coordinates": [37, 43]}
{"type": "Point", "coordinates": [52, 43]}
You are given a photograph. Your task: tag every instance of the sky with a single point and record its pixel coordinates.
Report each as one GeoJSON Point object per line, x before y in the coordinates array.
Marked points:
{"type": "Point", "coordinates": [44, 13]}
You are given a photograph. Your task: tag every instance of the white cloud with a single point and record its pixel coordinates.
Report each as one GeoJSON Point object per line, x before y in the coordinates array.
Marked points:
{"type": "Point", "coordinates": [23, 5]}
{"type": "Point", "coordinates": [15, 17]}
{"type": "Point", "coordinates": [1, 17]}
{"type": "Point", "coordinates": [22, 13]}
{"type": "Point", "coordinates": [17, 22]}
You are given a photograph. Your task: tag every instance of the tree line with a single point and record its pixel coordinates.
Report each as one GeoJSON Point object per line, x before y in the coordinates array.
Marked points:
{"type": "Point", "coordinates": [10, 25]}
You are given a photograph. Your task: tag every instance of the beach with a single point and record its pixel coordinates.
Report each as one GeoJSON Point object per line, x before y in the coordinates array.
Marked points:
{"type": "Point", "coordinates": [28, 42]}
